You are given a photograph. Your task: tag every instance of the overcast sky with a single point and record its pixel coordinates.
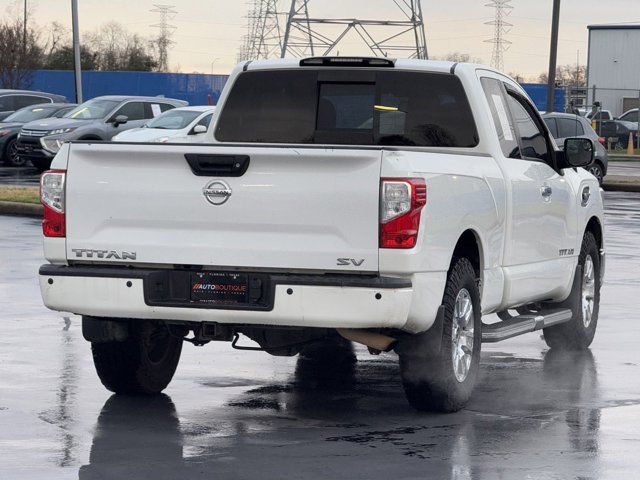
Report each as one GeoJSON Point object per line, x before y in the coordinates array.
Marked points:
{"type": "Point", "coordinates": [209, 30]}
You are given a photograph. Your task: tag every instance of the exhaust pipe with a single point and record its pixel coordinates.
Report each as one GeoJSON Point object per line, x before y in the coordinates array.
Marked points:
{"type": "Point", "coordinates": [373, 340]}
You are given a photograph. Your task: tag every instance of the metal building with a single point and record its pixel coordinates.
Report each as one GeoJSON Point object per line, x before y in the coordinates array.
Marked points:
{"type": "Point", "coordinates": [613, 67]}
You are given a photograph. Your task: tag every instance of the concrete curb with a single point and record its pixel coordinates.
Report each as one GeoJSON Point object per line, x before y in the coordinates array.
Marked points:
{"type": "Point", "coordinates": [620, 186]}
{"type": "Point", "coordinates": [22, 209]}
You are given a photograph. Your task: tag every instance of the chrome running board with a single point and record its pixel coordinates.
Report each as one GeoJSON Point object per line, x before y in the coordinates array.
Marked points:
{"type": "Point", "coordinates": [530, 322]}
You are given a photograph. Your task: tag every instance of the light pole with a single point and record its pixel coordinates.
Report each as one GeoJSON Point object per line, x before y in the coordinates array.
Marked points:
{"type": "Point", "coordinates": [76, 50]}
{"type": "Point", "coordinates": [214, 61]}
{"type": "Point", "coordinates": [24, 29]}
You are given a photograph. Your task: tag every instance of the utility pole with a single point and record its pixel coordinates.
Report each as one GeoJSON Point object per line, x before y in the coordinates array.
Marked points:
{"type": "Point", "coordinates": [264, 37]}
{"type": "Point", "coordinates": [502, 9]}
{"type": "Point", "coordinates": [24, 29]}
{"type": "Point", "coordinates": [553, 55]}
{"type": "Point", "coordinates": [77, 66]}
{"type": "Point", "coordinates": [402, 36]}
{"type": "Point", "coordinates": [164, 36]}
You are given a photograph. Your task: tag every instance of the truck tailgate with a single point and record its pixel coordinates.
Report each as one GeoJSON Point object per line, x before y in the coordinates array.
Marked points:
{"type": "Point", "coordinates": [293, 208]}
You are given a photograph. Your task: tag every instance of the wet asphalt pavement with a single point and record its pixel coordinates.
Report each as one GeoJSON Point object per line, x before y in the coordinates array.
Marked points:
{"type": "Point", "coordinates": [227, 414]}
{"type": "Point", "coordinates": [19, 177]}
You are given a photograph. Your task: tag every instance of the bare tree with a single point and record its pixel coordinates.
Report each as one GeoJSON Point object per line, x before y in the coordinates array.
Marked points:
{"type": "Point", "coordinates": [17, 61]}
{"type": "Point", "coordinates": [518, 77]}
{"type": "Point", "coordinates": [569, 75]}
{"type": "Point", "coordinates": [458, 57]}
{"type": "Point", "coordinates": [115, 48]}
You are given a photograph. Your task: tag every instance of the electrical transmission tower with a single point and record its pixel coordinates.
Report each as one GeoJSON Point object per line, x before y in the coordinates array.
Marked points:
{"type": "Point", "coordinates": [164, 41]}
{"type": "Point", "coordinates": [264, 38]}
{"type": "Point", "coordinates": [501, 27]}
{"type": "Point", "coordinates": [404, 37]}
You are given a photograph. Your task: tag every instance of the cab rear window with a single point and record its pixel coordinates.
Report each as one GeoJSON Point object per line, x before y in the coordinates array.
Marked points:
{"type": "Point", "coordinates": [376, 108]}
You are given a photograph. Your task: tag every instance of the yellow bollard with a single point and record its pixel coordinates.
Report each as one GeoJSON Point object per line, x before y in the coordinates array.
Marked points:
{"type": "Point", "coordinates": [630, 150]}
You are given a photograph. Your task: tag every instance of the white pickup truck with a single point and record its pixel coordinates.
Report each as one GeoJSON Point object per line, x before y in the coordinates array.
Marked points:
{"type": "Point", "coordinates": [392, 203]}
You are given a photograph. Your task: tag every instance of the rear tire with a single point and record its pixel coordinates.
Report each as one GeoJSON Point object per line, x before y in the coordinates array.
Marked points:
{"type": "Point", "coordinates": [578, 333]}
{"type": "Point", "coordinates": [444, 383]}
{"type": "Point", "coordinates": [143, 364]}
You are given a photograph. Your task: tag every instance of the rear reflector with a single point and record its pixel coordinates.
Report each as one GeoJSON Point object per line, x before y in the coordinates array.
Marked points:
{"type": "Point", "coordinates": [401, 202]}
{"type": "Point", "coordinates": [52, 197]}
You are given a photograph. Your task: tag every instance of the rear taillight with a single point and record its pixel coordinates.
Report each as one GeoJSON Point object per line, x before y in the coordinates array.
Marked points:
{"type": "Point", "coordinates": [401, 201]}
{"type": "Point", "coordinates": [603, 141]}
{"type": "Point", "coordinates": [52, 197]}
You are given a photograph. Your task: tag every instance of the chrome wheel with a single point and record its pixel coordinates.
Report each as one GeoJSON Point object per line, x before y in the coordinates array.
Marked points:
{"type": "Point", "coordinates": [462, 335]}
{"type": "Point", "coordinates": [588, 290]}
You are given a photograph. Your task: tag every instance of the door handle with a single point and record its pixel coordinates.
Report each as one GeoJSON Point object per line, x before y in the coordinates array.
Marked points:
{"type": "Point", "coordinates": [546, 191]}
{"type": "Point", "coordinates": [216, 165]}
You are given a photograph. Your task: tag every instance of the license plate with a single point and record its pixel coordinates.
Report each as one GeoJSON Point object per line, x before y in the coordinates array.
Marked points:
{"type": "Point", "coordinates": [220, 288]}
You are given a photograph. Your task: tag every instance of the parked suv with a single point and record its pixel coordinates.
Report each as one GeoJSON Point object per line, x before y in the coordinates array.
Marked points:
{"type": "Point", "coordinates": [12, 100]}
{"type": "Point", "coordinates": [630, 119]}
{"type": "Point", "coordinates": [10, 128]}
{"type": "Point", "coordinates": [566, 125]}
{"type": "Point", "coordinates": [97, 119]}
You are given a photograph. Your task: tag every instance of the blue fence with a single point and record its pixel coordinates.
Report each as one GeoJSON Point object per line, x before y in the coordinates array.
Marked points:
{"type": "Point", "coordinates": [538, 93]}
{"type": "Point", "coordinates": [195, 88]}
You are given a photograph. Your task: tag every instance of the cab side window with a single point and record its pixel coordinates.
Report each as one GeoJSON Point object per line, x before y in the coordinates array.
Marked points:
{"type": "Point", "coordinates": [501, 120]}
{"type": "Point", "coordinates": [532, 137]}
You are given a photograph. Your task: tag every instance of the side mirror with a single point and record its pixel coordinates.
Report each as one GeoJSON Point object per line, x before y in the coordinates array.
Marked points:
{"type": "Point", "coordinates": [578, 152]}
{"type": "Point", "coordinates": [120, 120]}
{"type": "Point", "coordinates": [198, 129]}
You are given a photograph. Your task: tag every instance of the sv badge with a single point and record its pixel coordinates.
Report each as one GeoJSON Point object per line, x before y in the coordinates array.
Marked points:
{"type": "Point", "coordinates": [350, 261]}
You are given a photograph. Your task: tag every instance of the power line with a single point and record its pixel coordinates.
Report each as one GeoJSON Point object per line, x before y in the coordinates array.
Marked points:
{"type": "Point", "coordinates": [305, 35]}
{"type": "Point", "coordinates": [501, 27]}
{"type": "Point", "coordinates": [263, 38]}
{"type": "Point", "coordinates": [166, 30]}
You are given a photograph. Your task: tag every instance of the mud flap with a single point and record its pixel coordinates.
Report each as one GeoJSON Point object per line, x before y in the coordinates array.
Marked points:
{"type": "Point", "coordinates": [425, 344]}
{"type": "Point", "coordinates": [97, 330]}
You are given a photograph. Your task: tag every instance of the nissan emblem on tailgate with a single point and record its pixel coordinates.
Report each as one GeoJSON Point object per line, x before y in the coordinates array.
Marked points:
{"type": "Point", "coordinates": [217, 192]}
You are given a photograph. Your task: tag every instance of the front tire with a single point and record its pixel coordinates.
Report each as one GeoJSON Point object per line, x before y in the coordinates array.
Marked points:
{"type": "Point", "coordinates": [143, 364]}
{"type": "Point", "coordinates": [11, 156]}
{"type": "Point", "coordinates": [578, 333]}
{"type": "Point", "coordinates": [445, 383]}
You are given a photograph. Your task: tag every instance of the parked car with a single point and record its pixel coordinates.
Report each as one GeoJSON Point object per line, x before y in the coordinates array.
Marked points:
{"type": "Point", "coordinates": [598, 115]}
{"type": "Point", "coordinates": [98, 119]}
{"type": "Point", "coordinates": [12, 100]}
{"type": "Point", "coordinates": [630, 119]}
{"type": "Point", "coordinates": [567, 125]}
{"type": "Point", "coordinates": [10, 128]}
{"type": "Point", "coordinates": [616, 133]}
{"type": "Point", "coordinates": [185, 124]}
{"type": "Point", "coordinates": [388, 202]}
